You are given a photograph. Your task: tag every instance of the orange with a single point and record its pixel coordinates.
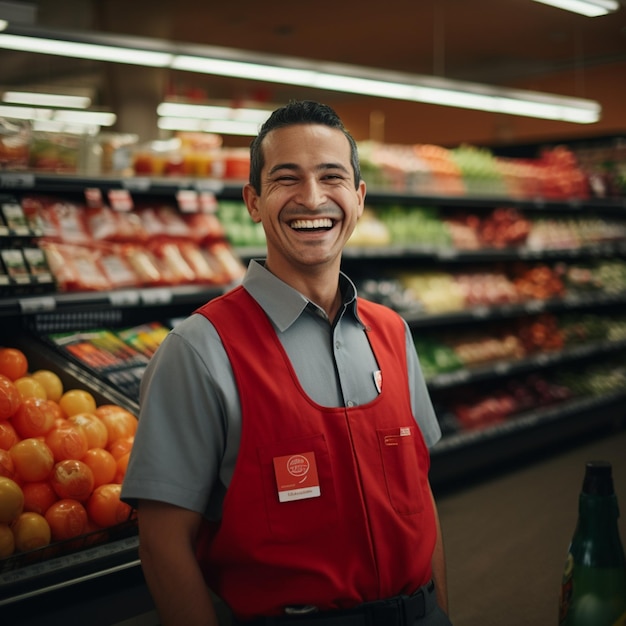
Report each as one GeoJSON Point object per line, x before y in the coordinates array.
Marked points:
{"type": "Point", "coordinates": [8, 435]}
{"type": "Point", "coordinates": [102, 464]}
{"type": "Point", "coordinates": [122, 464]}
{"type": "Point", "coordinates": [67, 441]}
{"type": "Point", "coordinates": [38, 496]}
{"type": "Point", "coordinates": [7, 467]}
{"type": "Point", "coordinates": [30, 387]}
{"type": "Point", "coordinates": [11, 500]}
{"type": "Point", "coordinates": [77, 401]}
{"type": "Point", "coordinates": [67, 518]}
{"type": "Point", "coordinates": [34, 418]}
{"type": "Point", "coordinates": [10, 398]}
{"type": "Point", "coordinates": [7, 541]}
{"type": "Point", "coordinates": [121, 446]}
{"type": "Point", "coordinates": [119, 422]}
{"type": "Point", "coordinates": [96, 431]}
{"type": "Point", "coordinates": [56, 410]}
{"type": "Point", "coordinates": [33, 459]}
{"type": "Point", "coordinates": [13, 363]}
{"type": "Point", "coordinates": [105, 508]}
{"type": "Point", "coordinates": [51, 382]}
{"type": "Point", "coordinates": [31, 531]}
{"type": "Point", "coordinates": [72, 479]}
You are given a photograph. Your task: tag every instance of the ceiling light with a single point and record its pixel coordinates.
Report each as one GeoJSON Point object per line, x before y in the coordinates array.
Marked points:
{"type": "Point", "coordinates": [589, 8]}
{"type": "Point", "coordinates": [46, 99]}
{"type": "Point", "coordinates": [291, 71]}
{"type": "Point", "coordinates": [212, 112]}
{"type": "Point", "coordinates": [85, 118]}
{"type": "Point", "coordinates": [80, 50]}
{"type": "Point", "coordinates": [221, 127]}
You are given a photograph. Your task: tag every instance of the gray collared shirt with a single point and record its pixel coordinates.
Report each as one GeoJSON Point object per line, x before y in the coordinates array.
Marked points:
{"type": "Point", "coordinates": [190, 420]}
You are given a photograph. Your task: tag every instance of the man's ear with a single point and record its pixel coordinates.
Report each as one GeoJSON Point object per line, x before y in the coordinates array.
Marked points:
{"type": "Point", "coordinates": [361, 191]}
{"type": "Point", "coordinates": [251, 198]}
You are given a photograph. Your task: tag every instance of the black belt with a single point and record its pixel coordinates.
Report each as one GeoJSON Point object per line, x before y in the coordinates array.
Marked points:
{"type": "Point", "coordinates": [397, 611]}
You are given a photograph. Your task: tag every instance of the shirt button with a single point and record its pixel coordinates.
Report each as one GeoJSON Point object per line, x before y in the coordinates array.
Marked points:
{"type": "Point", "coordinates": [337, 344]}
{"type": "Point", "coordinates": [349, 403]}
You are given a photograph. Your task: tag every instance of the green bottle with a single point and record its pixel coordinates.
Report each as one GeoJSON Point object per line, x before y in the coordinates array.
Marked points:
{"type": "Point", "coordinates": [593, 589]}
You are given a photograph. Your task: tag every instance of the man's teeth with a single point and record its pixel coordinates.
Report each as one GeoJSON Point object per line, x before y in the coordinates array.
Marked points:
{"type": "Point", "coordinates": [312, 224]}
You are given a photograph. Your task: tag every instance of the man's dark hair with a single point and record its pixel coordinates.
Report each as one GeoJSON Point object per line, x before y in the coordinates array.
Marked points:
{"type": "Point", "coordinates": [298, 112]}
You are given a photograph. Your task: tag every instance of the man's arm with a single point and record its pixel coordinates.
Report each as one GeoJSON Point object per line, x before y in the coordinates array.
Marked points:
{"type": "Point", "coordinates": [439, 564]}
{"type": "Point", "coordinates": [167, 536]}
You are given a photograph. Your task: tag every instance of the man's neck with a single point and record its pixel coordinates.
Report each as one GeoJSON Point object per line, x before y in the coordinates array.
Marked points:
{"type": "Point", "coordinates": [319, 286]}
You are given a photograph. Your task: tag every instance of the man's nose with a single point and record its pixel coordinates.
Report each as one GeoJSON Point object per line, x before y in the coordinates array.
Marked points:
{"type": "Point", "coordinates": [310, 194]}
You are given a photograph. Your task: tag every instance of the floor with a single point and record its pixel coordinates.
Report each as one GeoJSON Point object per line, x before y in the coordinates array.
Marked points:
{"type": "Point", "coordinates": [506, 535]}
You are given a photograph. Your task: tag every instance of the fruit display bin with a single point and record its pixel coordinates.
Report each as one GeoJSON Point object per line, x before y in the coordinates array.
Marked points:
{"type": "Point", "coordinates": [99, 572]}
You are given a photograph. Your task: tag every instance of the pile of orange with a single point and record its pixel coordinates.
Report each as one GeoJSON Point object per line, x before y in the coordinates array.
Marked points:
{"type": "Point", "coordinates": [62, 458]}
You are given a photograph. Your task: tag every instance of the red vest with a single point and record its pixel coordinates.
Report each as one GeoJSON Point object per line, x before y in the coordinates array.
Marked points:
{"type": "Point", "coordinates": [370, 533]}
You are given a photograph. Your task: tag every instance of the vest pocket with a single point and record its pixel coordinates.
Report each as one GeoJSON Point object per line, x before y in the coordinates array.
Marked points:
{"type": "Point", "coordinates": [297, 519]}
{"type": "Point", "coordinates": [401, 467]}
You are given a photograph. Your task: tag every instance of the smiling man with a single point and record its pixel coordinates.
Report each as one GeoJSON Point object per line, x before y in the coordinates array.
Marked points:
{"type": "Point", "coordinates": [281, 458]}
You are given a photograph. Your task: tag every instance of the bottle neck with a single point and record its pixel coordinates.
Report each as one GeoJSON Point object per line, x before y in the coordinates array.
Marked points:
{"type": "Point", "coordinates": [596, 541]}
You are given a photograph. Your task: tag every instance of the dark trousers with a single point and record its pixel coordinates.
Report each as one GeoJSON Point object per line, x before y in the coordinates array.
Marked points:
{"type": "Point", "coordinates": [418, 609]}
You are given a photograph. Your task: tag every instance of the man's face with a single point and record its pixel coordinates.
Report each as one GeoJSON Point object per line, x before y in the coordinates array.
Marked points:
{"type": "Point", "coordinates": [308, 203]}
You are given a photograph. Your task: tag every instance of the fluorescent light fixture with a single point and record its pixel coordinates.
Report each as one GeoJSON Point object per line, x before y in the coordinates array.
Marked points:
{"type": "Point", "coordinates": [212, 112]}
{"type": "Point", "coordinates": [589, 8]}
{"type": "Point", "coordinates": [46, 99]}
{"type": "Point", "coordinates": [222, 127]}
{"type": "Point", "coordinates": [84, 118]}
{"type": "Point", "coordinates": [92, 51]}
{"type": "Point", "coordinates": [54, 126]}
{"type": "Point", "coordinates": [317, 75]}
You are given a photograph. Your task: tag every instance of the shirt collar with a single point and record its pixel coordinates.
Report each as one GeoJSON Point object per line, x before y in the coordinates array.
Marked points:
{"type": "Point", "coordinates": [282, 303]}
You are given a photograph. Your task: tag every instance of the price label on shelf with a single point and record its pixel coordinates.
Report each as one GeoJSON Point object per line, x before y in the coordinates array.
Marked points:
{"type": "Point", "coordinates": [37, 304]}
{"type": "Point", "coordinates": [208, 202]}
{"type": "Point", "coordinates": [156, 296]}
{"type": "Point", "coordinates": [209, 184]}
{"type": "Point", "coordinates": [124, 298]}
{"type": "Point", "coordinates": [93, 197]}
{"type": "Point", "coordinates": [120, 200]}
{"type": "Point", "coordinates": [188, 201]}
{"type": "Point", "coordinates": [17, 179]}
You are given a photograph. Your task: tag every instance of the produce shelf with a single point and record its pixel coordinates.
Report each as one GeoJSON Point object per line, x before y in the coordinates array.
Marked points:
{"type": "Point", "coordinates": [468, 454]}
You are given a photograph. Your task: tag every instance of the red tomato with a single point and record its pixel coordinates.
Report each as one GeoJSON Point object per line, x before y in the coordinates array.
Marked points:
{"type": "Point", "coordinates": [10, 397]}
{"type": "Point", "coordinates": [13, 363]}
{"type": "Point", "coordinates": [34, 418]}
{"type": "Point", "coordinates": [119, 422]}
{"type": "Point", "coordinates": [67, 441]}
{"type": "Point", "coordinates": [38, 496]}
{"type": "Point", "coordinates": [8, 435]}
{"type": "Point", "coordinates": [33, 459]}
{"type": "Point", "coordinates": [105, 508]}
{"type": "Point", "coordinates": [67, 518]}
{"type": "Point", "coordinates": [72, 479]}
{"type": "Point", "coordinates": [102, 464]}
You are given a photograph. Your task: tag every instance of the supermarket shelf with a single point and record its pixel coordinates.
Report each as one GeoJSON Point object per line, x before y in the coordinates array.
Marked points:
{"type": "Point", "coordinates": [465, 454]}
{"type": "Point", "coordinates": [97, 300]}
{"type": "Point", "coordinates": [77, 184]}
{"type": "Point", "coordinates": [533, 363]}
{"type": "Point", "coordinates": [488, 255]}
{"type": "Point", "coordinates": [571, 302]}
{"type": "Point", "coordinates": [168, 186]}
{"type": "Point", "coordinates": [490, 201]}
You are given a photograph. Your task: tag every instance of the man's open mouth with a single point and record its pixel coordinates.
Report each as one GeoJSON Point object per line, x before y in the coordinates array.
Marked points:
{"type": "Point", "coordinates": [318, 224]}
